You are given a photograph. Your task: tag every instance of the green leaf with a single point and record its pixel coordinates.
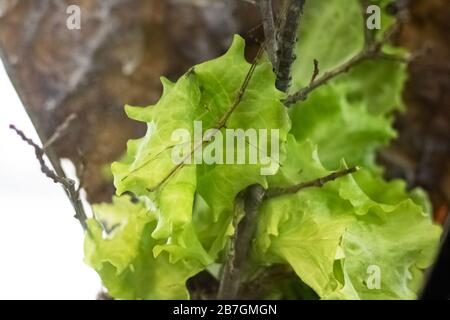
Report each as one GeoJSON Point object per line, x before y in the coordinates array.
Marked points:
{"type": "Point", "coordinates": [151, 157]}
{"type": "Point", "coordinates": [119, 247]}
{"type": "Point", "coordinates": [344, 37]}
{"type": "Point", "coordinates": [330, 236]}
{"type": "Point", "coordinates": [206, 93]}
{"type": "Point", "coordinates": [355, 106]}
{"type": "Point", "coordinates": [260, 108]}
{"type": "Point", "coordinates": [342, 21]}
{"type": "Point", "coordinates": [392, 233]}
{"type": "Point", "coordinates": [341, 130]}
{"type": "Point", "coordinates": [304, 229]}
{"type": "Point", "coordinates": [377, 85]}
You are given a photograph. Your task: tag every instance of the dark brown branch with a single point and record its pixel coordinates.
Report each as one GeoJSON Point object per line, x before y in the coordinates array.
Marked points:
{"type": "Point", "coordinates": [266, 10]}
{"type": "Point", "coordinates": [320, 182]}
{"type": "Point", "coordinates": [68, 184]}
{"type": "Point", "coordinates": [234, 273]}
{"type": "Point", "coordinates": [288, 38]}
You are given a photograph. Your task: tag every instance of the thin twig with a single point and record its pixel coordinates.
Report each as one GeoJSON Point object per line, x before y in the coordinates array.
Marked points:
{"type": "Point", "coordinates": [234, 273]}
{"type": "Point", "coordinates": [320, 182]}
{"type": "Point", "coordinates": [372, 50]}
{"type": "Point", "coordinates": [266, 10]}
{"type": "Point", "coordinates": [35, 120]}
{"type": "Point", "coordinates": [50, 153]}
{"type": "Point", "coordinates": [372, 54]}
{"type": "Point", "coordinates": [68, 184]}
{"type": "Point", "coordinates": [234, 270]}
{"type": "Point", "coordinates": [303, 93]}
{"type": "Point", "coordinates": [60, 130]}
{"type": "Point", "coordinates": [81, 171]}
{"type": "Point", "coordinates": [220, 124]}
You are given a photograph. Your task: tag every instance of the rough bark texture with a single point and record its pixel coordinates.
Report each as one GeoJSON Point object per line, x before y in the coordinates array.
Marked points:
{"type": "Point", "coordinates": [117, 57]}
{"type": "Point", "coordinates": [421, 154]}
{"type": "Point", "coordinates": [288, 38]}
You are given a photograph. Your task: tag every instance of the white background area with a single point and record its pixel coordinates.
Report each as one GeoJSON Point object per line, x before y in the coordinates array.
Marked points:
{"type": "Point", "coordinates": [41, 244]}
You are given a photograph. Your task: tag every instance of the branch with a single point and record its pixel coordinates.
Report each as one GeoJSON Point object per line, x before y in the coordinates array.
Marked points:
{"type": "Point", "coordinates": [287, 42]}
{"type": "Point", "coordinates": [81, 171]}
{"type": "Point", "coordinates": [369, 35]}
{"type": "Point", "coordinates": [49, 151]}
{"type": "Point", "coordinates": [60, 130]}
{"type": "Point", "coordinates": [237, 264]}
{"type": "Point", "coordinates": [372, 50]}
{"type": "Point", "coordinates": [265, 7]}
{"type": "Point", "coordinates": [303, 93]}
{"type": "Point", "coordinates": [320, 182]}
{"type": "Point", "coordinates": [68, 184]}
{"type": "Point", "coordinates": [234, 273]}
{"type": "Point", "coordinates": [374, 53]}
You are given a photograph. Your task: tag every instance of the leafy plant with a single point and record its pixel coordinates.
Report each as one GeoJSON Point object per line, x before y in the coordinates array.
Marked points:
{"type": "Point", "coordinates": [325, 235]}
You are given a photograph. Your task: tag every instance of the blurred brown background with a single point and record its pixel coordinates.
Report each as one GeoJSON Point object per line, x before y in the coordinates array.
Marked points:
{"type": "Point", "coordinates": [124, 46]}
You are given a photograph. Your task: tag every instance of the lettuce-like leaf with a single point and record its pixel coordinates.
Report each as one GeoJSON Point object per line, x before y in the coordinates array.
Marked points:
{"type": "Point", "coordinates": [151, 159]}
{"type": "Point", "coordinates": [332, 237]}
{"type": "Point", "coordinates": [394, 246]}
{"type": "Point", "coordinates": [119, 247]}
{"type": "Point", "coordinates": [342, 21]}
{"type": "Point", "coordinates": [205, 93]}
{"type": "Point", "coordinates": [304, 229]}
{"type": "Point", "coordinates": [355, 106]}
{"type": "Point", "coordinates": [342, 130]}
{"type": "Point", "coordinates": [393, 232]}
